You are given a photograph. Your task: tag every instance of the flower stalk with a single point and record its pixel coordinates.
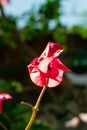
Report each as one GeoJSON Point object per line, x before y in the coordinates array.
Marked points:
{"type": "Point", "coordinates": [3, 126]}
{"type": "Point", "coordinates": [35, 109]}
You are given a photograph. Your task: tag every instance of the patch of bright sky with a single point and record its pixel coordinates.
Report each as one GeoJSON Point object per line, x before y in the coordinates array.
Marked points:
{"type": "Point", "coordinates": [71, 10]}
{"type": "Point", "coordinates": [74, 12]}
{"type": "Point", "coordinates": [19, 7]}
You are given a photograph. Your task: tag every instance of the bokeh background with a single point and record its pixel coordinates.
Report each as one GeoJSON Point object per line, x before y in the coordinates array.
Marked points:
{"type": "Point", "coordinates": [25, 29]}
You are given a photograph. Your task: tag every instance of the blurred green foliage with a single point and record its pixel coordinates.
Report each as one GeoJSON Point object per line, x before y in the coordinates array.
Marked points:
{"type": "Point", "coordinates": [7, 86]}
{"type": "Point", "coordinates": [82, 31]}
{"type": "Point", "coordinates": [6, 28]}
{"type": "Point", "coordinates": [41, 126]}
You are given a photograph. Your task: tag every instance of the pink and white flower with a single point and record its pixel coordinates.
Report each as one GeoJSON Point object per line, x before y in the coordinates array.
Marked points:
{"type": "Point", "coordinates": [48, 69]}
{"type": "Point", "coordinates": [3, 97]}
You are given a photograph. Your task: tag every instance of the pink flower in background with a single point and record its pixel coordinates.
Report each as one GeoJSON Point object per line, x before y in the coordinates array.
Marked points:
{"type": "Point", "coordinates": [48, 69]}
{"type": "Point", "coordinates": [3, 97]}
{"type": "Point", "coordinates": [4, 2]}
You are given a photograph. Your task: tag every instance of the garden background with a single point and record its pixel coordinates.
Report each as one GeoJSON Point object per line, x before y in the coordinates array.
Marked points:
{"type": "Point", "coordinates": [23, 36]}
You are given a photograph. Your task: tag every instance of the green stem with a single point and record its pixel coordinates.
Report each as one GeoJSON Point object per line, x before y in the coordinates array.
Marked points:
{"type": "Point", "coordinates": [3, 126]}
{"type": "Point", "coordinates": [35, 109]}
{"type": "Point", "coordinates": [27, 104]}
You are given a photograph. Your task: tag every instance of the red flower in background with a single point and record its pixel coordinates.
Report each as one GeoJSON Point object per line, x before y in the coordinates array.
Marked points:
{"type": "Point", "coordinates": [48, 69]}
{"type": "Point", "coordinates": [4, 2]}
{"type": "Point", "coordinates": [3, 97]}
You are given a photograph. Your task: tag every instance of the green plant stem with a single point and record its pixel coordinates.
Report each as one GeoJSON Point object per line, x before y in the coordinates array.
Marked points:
{"type": "Point", "coordinates": [3, 126]}
{"type": "Point", "coordinates": [27, 104]}
{"type": "Point", "coordinates": [35, 109]}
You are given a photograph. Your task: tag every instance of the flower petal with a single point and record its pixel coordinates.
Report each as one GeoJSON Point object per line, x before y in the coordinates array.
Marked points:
{"type": "Point", "coordinates": [3, 97]}
{"type": "Point", "coordinates": [52, 69]}
{"type": "Point", "coordinates": [54, 82]}
{"type": "Point", "coordinates": [55, 72]}
{"type": "Point", "coordinates": [52, 50]}
{"type": "Point", "coordinates": [38, 77]}
{"type": "Point", "coordinates": [43, 65]}
{"type": "Point", "coordinates": [61, 65]}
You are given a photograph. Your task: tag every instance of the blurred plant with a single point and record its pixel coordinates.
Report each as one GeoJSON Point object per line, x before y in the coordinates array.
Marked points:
{"type": "Point", "coordinates": [4, 2]}
{"type": "Point", "coordinates": [82, 31]}
{"type": "Point", "coordinates": [41, 126]}
{"type": "Point", "coordinates": [45, 20]}
{"type": "Point", "coordinates": [3, 97]}
{"type": "Point", "coordinates": [11, 85]}
{"type": "Point", "coordinates": [7, 28]}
